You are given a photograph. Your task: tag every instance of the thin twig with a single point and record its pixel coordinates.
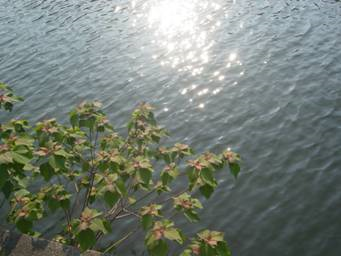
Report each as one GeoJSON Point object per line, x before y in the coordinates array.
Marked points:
{"type": "Point", "coordinates": [76, 203]}
{"type": "Point", "coordinates": [92, 170]}
{"type": "Point", "coordinates": [171, 197]}
{"type": "Point", "coordinates": [66, 212]}
{"type": "Point", "coordinates": [118, 242]}
{"type": "Point", "coordinates": [2, 202]}
{"type": "Point", "coordinates": [111, 218]}
{"type": "Point", "coordinates": [125, 215]}
{"type": "Point", "coordinates": [131, 213]}
{"type": "Point", "coordinates": [143, 197]}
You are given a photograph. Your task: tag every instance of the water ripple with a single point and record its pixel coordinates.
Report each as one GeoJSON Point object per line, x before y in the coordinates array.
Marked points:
{"type": "Point", "coordinates": [260, 77]}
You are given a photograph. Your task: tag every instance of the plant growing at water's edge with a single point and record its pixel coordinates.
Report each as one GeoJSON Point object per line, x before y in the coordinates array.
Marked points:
{"type": "Point", "coordinates": [87, 165]}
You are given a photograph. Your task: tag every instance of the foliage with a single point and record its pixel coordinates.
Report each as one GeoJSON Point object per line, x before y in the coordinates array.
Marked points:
{"type": "Point", "coordinates": [87, 165]}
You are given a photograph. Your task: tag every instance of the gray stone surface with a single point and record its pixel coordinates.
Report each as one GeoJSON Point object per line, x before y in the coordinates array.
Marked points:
{"type": "Point", "coordinates": [14, 244]}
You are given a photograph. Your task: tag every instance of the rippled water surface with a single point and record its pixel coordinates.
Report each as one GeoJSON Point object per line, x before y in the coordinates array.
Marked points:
{"type": "Point", "coordinates": [261, 77]}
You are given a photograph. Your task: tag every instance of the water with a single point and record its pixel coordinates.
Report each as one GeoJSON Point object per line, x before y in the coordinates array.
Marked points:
{"type": "Point", "coordinates": [261, 77]}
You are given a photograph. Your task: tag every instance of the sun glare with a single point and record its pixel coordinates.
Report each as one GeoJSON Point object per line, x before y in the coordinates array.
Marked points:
{"type": "Point", "coordinates": [183, 36]}
{"type": "Point", "coordinates": [173, 16]}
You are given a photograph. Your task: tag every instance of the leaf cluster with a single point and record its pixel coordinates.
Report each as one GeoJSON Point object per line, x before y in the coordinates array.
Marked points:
{"type": "Point", "coordinates": [94, 177]}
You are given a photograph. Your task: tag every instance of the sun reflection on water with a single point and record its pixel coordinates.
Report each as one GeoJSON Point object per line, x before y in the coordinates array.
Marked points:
{"type": "Point", "coordinates": [181, 30]}
{"type": "Point", "coordinates": [183, 35]}
{"type": "Point", "coordinates": [173, 16]}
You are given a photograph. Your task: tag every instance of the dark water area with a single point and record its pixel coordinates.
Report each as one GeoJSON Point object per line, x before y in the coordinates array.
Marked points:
{"type": "Point", "coordinates": [262, 77]}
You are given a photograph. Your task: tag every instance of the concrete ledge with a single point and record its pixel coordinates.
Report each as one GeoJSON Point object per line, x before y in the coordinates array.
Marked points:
{"type": "Point", "coordinates": [15, 244]}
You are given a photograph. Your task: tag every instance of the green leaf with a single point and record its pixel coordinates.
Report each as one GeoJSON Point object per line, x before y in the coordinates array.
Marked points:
{"type": "Point", "coordinates": [6, 158]}
{"type": "Point", "coordinates": [222, 249]}
{"type": "Point", "coordinates": [65, 204]}
{"type": "Point", "coordinates": [86, 239]}
{"type": "Point", "coordinates": [191, 216]}
{"type": "Point", "coordinates": [26, 141]}
{"type": "Point", "coordinates": [74, 118]}
{"type": "Point", "coordinates": [121, 187]}
{"type": "Point", "coordinates": [111, 198]}
{"type": "Point", "coordinates": [147, 221]}
{"type": "Point", "coordinates": [60, 161]}
{"type": "Point", "coordinates": [100, 225]}
{"type": "Point", "coordinates": [160, 249]}
{"type": "Point", "coordinates": [235, 169]}
{"type": "Point", "coordinates": [20, 158]}
{"type": "Point", "coordinates": [24, 225]}
{"type": "Point", "coordinates": [88, 123]}
{"type": "Point", "coordinates": [90, 213]}
{"type": "Point", "coordinates": [208, 250]}
{"type": "Point", "coordinates": [62, 153]}
{"type": "Point", "coordinates": [57, 162]}
{"type": "Point", "coordinates": [145, 175]}
{"type": "Point", "coordinates": [192, 175]}
{"type": "Point", "coordinates": [130, 125]}
{"type": "Point", "coordinates": [53, 204]}
{"type": "Point", "coordinates": [22, 192]}
{"type": "Point", "coordinates": [166, 178]}
{"type": "Point", "coordinates": [4, 175]}
{"type": "Point", "coordinates": [131, 200]}
{"type": "Point", "coordinates": [85, 166]}
{"type": "Point", "coordinates": [46, 171]}
{"type": "Point", "coordinates": [173, 234]}
{"type": "Point", "coordinates": [207, 176]}
{"type": "Point", "coordinates": [206, 190]}
{"type": "Point", "coordinates": [187, 252]}
{"type": "Point", "coordinates": [7, 188]}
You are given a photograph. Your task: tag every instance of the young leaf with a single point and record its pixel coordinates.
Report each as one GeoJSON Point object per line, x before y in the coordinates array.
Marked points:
{"type": "Point", "coordinates": [100, 225]}
{"type": "Point", "coordinates": [173, 234]}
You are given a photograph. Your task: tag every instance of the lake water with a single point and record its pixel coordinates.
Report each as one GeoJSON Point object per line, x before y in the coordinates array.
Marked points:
{"type": "Point", "coordinates": [262, 77]}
